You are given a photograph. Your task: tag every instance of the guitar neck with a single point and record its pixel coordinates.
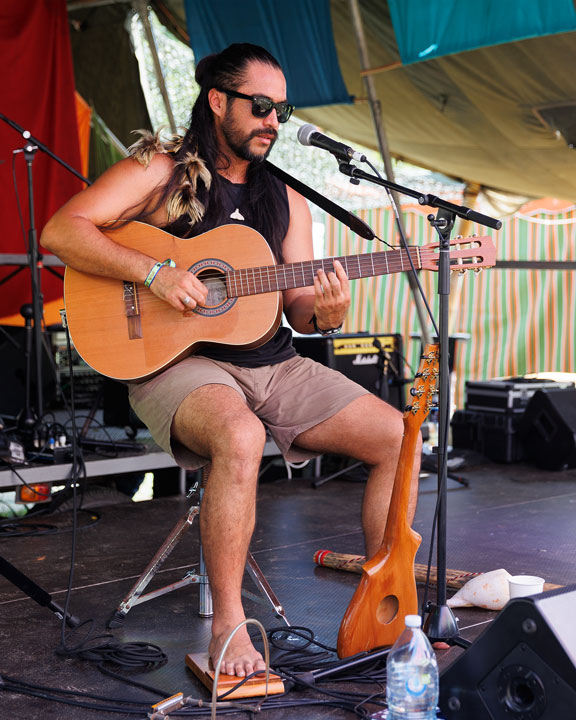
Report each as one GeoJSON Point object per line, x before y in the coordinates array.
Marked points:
{"type": "Point", "coordinates": [271, 278]}
{"type": "Point", "coordinates": [400, 500]}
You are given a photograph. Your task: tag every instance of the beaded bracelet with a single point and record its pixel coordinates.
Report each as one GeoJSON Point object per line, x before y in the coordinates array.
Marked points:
{"type": "Point", "coordinates": [155, 268]}
{"type": "Point", "coordinates": [329, 331]}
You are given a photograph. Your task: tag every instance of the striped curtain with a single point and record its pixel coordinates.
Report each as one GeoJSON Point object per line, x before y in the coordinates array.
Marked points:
{"type": "Point", "coordinates": [519, 321]}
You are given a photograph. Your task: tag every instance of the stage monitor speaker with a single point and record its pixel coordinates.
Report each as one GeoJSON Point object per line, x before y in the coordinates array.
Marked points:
{"type": "Point", "coordinates": [374, 361]}
{"type": "Point", "coordinates": [548, 430]}
{"type": "Point", "coordinates": [523, 667]}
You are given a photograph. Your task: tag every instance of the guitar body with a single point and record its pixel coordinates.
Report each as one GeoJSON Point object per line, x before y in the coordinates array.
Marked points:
{"type": "Point", "coordinates": [385, 595]}
{"type": "Point", "coordinates": [125, 332]}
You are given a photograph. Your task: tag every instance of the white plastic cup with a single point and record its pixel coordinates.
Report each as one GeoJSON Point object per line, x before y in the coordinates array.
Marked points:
{"type": "Point", "coordinates": [524, 585]}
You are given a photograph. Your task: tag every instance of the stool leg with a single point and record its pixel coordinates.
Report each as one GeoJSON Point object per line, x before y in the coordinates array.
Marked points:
{"type": "Point", "coordinates": [264, 586]}
{"type": "Point", "coordinates": [206, 608]}
{"type": "Point", "coordinates": [134, 596]}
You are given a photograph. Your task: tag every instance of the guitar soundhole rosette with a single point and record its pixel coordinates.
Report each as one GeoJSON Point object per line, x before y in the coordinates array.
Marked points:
{"type": "Point", "coordinates": [212, 273]}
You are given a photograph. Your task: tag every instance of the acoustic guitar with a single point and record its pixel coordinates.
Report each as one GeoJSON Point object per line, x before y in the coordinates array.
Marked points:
{"type": "Point", "coordinates": [124, 331]}
{"type": "Point", "coordinates": [387, 590]}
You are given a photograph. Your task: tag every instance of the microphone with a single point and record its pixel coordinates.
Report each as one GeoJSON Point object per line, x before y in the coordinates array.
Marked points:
{"type": "Point", "coordinates": [310, 135]}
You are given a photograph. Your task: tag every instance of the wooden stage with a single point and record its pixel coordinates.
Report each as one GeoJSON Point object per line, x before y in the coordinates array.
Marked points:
{"type": "Point", "coordinates": [510, 516]}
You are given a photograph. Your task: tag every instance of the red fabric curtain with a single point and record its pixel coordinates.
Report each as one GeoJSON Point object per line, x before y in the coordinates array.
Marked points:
{"type": "Point", "coordinates": [37, 92]}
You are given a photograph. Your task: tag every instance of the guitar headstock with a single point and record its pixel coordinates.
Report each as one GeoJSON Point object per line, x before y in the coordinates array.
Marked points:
{"type": "Point", "coordinates": [472, 253]}
{"type": "Point", "coordinates": [425, 386]}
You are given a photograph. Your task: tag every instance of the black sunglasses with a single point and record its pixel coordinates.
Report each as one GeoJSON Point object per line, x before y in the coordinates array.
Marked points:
{"type": "Point", "coordinates": [263, 106]}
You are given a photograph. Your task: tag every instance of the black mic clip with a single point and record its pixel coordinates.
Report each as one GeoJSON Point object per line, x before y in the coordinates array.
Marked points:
{"type": "Point", "coordinates": [346, 168]}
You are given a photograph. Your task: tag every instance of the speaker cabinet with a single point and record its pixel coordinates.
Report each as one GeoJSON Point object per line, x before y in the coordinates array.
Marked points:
{"type": "Point", "coordinates": [373, 361]}
{"type": "Point", "coordinates": [548, 430]}
{"type": "Point", "coordinates": [523, 667]}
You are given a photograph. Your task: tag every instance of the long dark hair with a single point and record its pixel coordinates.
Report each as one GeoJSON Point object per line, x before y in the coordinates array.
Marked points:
{"type": "Point", "coordinates": [227, 70]}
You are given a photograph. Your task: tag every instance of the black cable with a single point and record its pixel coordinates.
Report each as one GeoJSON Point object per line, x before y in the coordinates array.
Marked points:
{"type": "Point", "coordinates": [144, 656]}
{"type": "Point", "coordinates": [273, 702]}
{"type": "Point", "coordinates": [307, 634]}
{"type": "Point", "coordinates": [139, 707]}
{"type": "Point", "coordinates": [114, 453]}
{"type": "Point", "coordinates": [13, 467]}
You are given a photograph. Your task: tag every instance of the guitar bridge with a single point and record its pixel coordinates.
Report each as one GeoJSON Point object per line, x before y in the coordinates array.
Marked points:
{"type": "Point", "coordinates": [132, 310]}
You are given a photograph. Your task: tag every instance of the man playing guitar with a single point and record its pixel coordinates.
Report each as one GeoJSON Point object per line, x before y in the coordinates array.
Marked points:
{"type": "Point", "coordinates": [213, 406]}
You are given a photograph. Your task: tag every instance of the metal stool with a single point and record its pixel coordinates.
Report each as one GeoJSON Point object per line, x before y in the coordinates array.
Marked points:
{"type": "Point", "coordinates": [135, 596]}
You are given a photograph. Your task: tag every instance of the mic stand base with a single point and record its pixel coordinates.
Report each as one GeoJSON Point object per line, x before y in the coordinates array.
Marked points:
{"type": "Point", "coordinates": [442, 626]}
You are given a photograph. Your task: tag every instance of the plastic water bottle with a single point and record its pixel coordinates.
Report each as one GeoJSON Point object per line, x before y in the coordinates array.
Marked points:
{"type": "Point", "coordinates": [412, 675]}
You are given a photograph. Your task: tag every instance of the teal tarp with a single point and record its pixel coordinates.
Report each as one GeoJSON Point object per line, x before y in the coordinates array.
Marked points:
{"type": "Point", "coordinates": [432, 28]}
{"type": "Point", "coordinates": [298, 33]}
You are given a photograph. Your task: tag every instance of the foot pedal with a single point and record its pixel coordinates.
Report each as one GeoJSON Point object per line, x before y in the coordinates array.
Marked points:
{"type": "Point", "coordinates": [199, 663]}
{"type": "Point", "coordinates": [116, 620]}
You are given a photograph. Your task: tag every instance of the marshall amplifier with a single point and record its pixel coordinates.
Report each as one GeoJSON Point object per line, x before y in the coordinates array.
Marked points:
{"type": "Point", "coordinates": [373, 361]}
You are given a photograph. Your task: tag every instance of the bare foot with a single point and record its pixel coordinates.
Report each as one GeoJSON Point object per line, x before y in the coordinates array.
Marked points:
{"type": "Point", "coordinates": [241, 657]}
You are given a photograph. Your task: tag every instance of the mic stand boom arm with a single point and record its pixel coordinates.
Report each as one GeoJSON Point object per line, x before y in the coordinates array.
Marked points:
{"type": "Point", "coordinates": [27, 135]}
{"type": "Point", "coordinates": [423, 199]}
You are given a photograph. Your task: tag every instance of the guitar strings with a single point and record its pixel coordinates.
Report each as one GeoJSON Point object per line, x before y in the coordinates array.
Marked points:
{"type": "Point", "coordinates": [285, 276]}
{"type": "Point", "coordinates": [302, 274]}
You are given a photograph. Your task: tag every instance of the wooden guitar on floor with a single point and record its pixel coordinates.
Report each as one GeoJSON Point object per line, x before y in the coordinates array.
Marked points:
{"type": "Point", "coordinates": [124, 331]}
{"type": "Point", "coordinates": [387, 589]}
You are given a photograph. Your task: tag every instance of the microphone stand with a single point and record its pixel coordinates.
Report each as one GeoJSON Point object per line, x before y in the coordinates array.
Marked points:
{"type": "Point", "coordinates": [34, 257]}
{"type": "Point", "coordinates": [441, 624]}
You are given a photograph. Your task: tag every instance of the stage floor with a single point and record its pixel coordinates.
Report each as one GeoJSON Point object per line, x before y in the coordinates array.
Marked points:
{"type": "Point", "coordinates": [514, 517]}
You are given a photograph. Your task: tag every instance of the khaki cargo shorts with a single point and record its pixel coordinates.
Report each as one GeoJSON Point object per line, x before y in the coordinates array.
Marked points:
{"type": "Point", "coordinates": [289, 397]}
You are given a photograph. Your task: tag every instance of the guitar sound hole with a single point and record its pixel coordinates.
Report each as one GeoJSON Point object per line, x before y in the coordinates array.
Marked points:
{"type": "Point", "coordinates": [215, 282]}
{"type": "Point", "coordinates": [387, 610]}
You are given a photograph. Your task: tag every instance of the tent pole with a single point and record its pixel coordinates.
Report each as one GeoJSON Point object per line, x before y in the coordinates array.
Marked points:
{"type": "Point", "coordinates": [141, 7]}
{"type": "Point", "coordinates": [376, 111]}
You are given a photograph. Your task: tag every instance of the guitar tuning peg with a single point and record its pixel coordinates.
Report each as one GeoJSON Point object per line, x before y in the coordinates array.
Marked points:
{"type": "Point", "coordinates": [478, 270]}
{"type": "Point", "coordinates": [462, 272]}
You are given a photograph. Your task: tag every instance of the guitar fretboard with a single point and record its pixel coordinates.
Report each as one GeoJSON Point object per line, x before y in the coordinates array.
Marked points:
{"type": "Point", "coordinates": [272, 278]}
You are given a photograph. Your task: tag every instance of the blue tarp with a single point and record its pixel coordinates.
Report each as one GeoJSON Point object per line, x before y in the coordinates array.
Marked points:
{"type": "Point", "coordinates": [298, 33]}
{"type": "Point", "coordinates": [426, 29]}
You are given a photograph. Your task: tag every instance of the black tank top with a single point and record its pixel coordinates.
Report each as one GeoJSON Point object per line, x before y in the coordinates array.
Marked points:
{"type": "Point", "coordinates": [279, 347]}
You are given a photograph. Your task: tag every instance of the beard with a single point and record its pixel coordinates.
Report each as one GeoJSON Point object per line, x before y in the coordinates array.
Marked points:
{"type": "Point", "coordinates": [239, 141]}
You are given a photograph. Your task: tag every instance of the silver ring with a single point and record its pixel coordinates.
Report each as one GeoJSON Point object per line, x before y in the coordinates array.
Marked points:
{"type": "Point", "coordinates": [186, 299]}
